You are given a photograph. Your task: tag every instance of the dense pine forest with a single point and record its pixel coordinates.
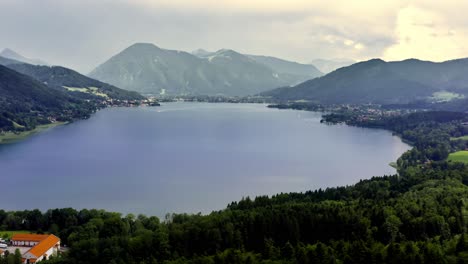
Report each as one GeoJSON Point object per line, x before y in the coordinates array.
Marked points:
{"type": "Point", "coordinates": [417, 216]}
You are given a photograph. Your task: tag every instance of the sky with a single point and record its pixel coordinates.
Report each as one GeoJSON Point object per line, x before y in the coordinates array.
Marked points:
{"type": "Point", "coordinates": [81, 34]}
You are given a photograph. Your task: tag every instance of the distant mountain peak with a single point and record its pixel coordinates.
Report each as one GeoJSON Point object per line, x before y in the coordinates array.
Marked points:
{"type": "Point", "coordinates": [226, 51]}
{"type": "Point", "coordinates": [201, 53]}
{"type": "Point", "coordinates": [375, 61]}
{"type": "Point", "coordinates": [143, 45]}
{"type": "Point", "coordinates": [11, 54]}
{"type": "Point", "coordinates": [144, 67]}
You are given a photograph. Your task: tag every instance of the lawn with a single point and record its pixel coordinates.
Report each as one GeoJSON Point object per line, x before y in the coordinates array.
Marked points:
{"type": "Point", "coordinates": [459, 138]}
{"type": "Point", "coordinates": [90, 90]}
{"type": "Point", "coordinates": [459, 156]}
{"type": "Point", "coordinates": [445, 96]}
{"type": "Point", "coordinates": [9, 234]}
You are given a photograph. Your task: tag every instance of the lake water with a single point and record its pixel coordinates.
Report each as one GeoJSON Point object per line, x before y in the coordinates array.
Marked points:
{"type": "Point", "coordinates": [187, 157]}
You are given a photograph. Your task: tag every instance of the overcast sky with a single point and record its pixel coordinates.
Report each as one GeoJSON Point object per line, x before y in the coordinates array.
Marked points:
{"type": "Point", "coordinates": [82, 34]}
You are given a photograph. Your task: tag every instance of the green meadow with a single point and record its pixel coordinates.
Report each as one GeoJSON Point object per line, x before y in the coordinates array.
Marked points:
{"type": "Point", "coordinates": [459, 138]}
{"type": "Point", "coordinates": [11, 137]}
{"type": "Point", "coordinates": [459, 156]}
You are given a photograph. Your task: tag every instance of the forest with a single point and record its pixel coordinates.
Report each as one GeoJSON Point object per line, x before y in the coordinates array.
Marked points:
{"type": "Point", "coordinates": [417, 216]}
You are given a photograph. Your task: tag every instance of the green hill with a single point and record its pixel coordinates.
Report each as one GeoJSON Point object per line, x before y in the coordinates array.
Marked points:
{"type": "Point", "coordinates": [377, 81]}
{"type": "Point", "coordinates": [26, 102]}
{"type": "Point", "coordinates": [58, 77]}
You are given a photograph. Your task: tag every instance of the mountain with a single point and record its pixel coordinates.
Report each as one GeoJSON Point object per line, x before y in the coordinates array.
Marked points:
{"type": "Point", "coordinates": [26, 102]}
{"type": "Point", "coordinates": [202, 53]}
{"type": "Point", "coordinates": [327, 66]}
{"type": "Point", "coordinates": [288, 67]}
{"type": "Point", "coordinates": [61, 78]}
{"type": "Point", "coordinates": [147, 68]}
{"type": "Point", "coordinates": [15, 86]}
{"type": "Point", "coordinates": [289, 71]}
{"type": "Point", "coordinates": [377, 81]}
{"type": "Point", "coordinates": [10, 54]}
{"type": "Point", "coordinates": [5, 61]}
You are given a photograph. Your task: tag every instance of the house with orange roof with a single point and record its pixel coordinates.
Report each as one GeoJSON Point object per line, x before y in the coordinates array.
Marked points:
{"type": "Point", "coordinates": [27, 240]}
{"type": "Point", "coordinates": [42, 246]}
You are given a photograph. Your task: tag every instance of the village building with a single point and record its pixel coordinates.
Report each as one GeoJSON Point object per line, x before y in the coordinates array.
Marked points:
{"type": "Point", "coordinates": [42, 246]}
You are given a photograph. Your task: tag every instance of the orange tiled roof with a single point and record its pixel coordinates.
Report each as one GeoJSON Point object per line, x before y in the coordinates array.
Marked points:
{"type": "Point", "coordinates": [41, 248]}
{"type": "Point", "coordinates": [1, 252]}
{"type": "Point", "coordinates": [28, 237]}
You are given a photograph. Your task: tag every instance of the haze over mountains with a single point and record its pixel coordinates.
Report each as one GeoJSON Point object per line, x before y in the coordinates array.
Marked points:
{"type": "Point", "coordinates": [329, 65]}
{"type": "Point", "coordinates": [377, 81]}
{"type": "Point", "coordinates": [147, 68]}
{"type": "Point", "coordinates": [10, 54]}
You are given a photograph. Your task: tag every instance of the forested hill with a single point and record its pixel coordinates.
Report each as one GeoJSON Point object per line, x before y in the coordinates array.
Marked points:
{"type": "Point", "coordinates": [418, 216]}
{"type": "Point", "coordinates": [26, 102]}
{"type": "Point", "coordinates": [377, 81]}
{"type": "Point", "coordinates": [58, 77]}
{"type": "Point", "coordinates": [19, 87]}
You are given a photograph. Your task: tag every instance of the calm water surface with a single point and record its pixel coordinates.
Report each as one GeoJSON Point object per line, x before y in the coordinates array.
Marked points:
{"type": "Point", "coordinates": [187, 157]}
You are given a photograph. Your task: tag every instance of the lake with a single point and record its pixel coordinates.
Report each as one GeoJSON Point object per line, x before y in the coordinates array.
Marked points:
{"type": "Point", "coordinates": [187, 157]}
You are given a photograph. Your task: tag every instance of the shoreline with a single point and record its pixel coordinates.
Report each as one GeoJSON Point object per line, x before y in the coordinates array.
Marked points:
{"type": "Point", "coordinates": [12, 137]}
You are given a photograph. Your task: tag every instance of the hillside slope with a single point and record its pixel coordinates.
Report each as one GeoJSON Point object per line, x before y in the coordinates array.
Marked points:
{"type": "Point", "coordinates": [377, 81]}
{"type": "Point", "coordinates": [26, 102]}
{"type": "Point", "coordinates": [58, 77]}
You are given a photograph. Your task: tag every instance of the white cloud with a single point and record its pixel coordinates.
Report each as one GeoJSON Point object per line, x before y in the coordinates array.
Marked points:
{"type": "Point", "coordinates": [82, 34]}
{"type": "Point", "coordinates": [429, 32]}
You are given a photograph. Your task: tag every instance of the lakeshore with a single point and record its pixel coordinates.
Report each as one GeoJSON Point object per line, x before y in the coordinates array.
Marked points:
{"type": "Point", "coordinates": [12, 137]}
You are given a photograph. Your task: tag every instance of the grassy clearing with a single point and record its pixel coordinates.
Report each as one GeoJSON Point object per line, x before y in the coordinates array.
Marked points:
{"type": "Point", "coordinates": [11, 137]}
{"type": "Point", "coordinates": [90, 90]}
{"type": "Point", "coordinates": [9, 234]}
{"type": "Point", "coordinates": [445, 96]}
{"type": "Point", "coordinates": [459, 138]}
{"type": "Point", "coordinates": [459, 156]}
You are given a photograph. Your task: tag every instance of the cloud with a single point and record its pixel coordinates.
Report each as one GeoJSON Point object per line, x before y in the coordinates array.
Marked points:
{"type": "Point", "coordinates": [82, 34]}
{"type": "Point", "coordinates": [426, 33]}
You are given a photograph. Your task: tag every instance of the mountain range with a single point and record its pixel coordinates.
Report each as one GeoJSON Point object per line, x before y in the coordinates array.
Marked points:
{"type": "Point", "coordinates": [377, 81]}
{"type": "Point", "coordinates": [292, 72]}
{"type": "Point", "coordinates": [147, 68]}
{"type": "Point", "coordinates": [10, 54]}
